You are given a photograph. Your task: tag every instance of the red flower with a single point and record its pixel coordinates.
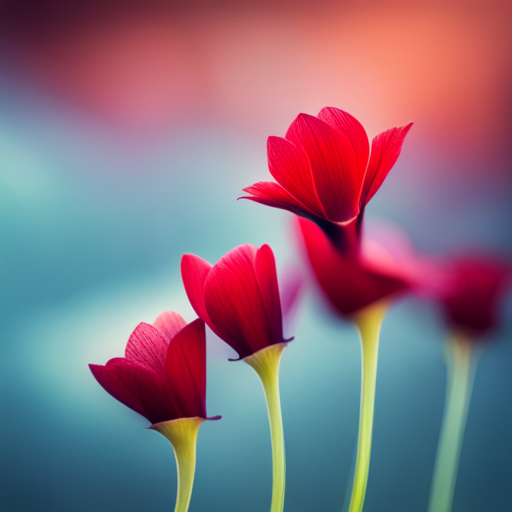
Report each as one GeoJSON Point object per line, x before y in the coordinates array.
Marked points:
{"type": "Point", "coordinates": [479, 285]}
{"type": "Point", "coordinates": [238, 297]}
{"type": "Point", "coordinates": [163, 373]}
{"type": "Point", "coordinates": [326, 171]}
{"type": "Point", "coordinates": [351, 284]}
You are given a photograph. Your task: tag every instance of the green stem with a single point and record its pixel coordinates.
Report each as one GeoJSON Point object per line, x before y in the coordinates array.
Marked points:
{"type": "Point", "coordinates": [461, 371]}
{"type": "Point", "coordinates": [266, 363]}
{"type": "Point", "coordinates": [182, 433]}
{"type": "Point", "coordinates": [368, 321]}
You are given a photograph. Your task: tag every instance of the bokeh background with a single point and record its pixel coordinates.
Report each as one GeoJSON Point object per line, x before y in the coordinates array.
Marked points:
{"type": "Point", "coordinates": [127, 131]}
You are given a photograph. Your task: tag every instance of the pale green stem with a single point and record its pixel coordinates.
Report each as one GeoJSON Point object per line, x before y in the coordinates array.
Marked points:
{"type": "Point", "coordinates": [461, 371]}
{"type": "Point", "coordinates": [182, 433]}
{"type": "Point", "coordinates": [368, 321]}
{"type": "Point", "coordinates": [266, 363]}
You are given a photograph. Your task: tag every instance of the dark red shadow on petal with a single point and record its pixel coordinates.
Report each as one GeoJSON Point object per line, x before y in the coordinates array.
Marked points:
{"type": "Point", "coordinates": [346, 281]}
{"type": "Point", "coordinates": [185, 370]}
{"type": "Point", "coordinates": [137, 386]}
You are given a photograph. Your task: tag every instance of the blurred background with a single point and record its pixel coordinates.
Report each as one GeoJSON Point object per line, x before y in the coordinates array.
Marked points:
{"type": "Point", "coordinates": [127, 131]}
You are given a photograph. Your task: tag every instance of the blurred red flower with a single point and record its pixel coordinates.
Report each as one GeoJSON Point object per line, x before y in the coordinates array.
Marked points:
{"type": "Point", "coordinates": [479, 283]}
{"type": "Point", "coordinates": [238, 297]}
{"type": "Point", "coordinates": [326, 171]}
{"type": "Point", "coordinates": [382, 270]}
{"type": "Point", "coordinates": [163, 373]}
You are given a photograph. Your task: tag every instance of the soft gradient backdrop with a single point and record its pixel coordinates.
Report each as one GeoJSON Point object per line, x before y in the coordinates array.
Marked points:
{"type": "Point", "coordinates": [126, 134]}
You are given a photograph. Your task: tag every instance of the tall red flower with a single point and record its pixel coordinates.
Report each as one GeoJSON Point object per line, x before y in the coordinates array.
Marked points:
{"type": "Point", "coordinates": [326, 172]}
{"type": "Point", "coordinates": [238, 297]}
{"type": "Point", "coordinates": [479, 285]}
{"type": "Point", "coordinates": [360, 287]}
{"type": "Point", "coordinates": [163, 373]}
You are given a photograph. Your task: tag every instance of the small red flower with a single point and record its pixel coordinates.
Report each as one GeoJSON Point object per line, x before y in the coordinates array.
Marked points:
{"type": "Point", "coordinates": [163, 373]}
{"type": "Point", "coordinates": [238, 297]}
{"type": "Point", "coordinates": [479, 285]}
{"type": "Point", "coordinates": [353, 283]}
{"type": "Point", "coordinates": [326, 171]}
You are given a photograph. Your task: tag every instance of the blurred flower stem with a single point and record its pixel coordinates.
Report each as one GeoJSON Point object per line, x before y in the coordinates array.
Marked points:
{"type": "Point", "coordinates": [461, 361]}
{"type": "Point", "coordinates": [266, 363]}
{"type": "Point", "coordinates": [182, 433]}
{"type": "Point", "coordinates": [368, 321]}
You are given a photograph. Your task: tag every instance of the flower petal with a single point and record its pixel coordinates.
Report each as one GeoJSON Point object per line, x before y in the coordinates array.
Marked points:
{"type": "Point", "coordinates": [272, 194]}
{"type": "Point", "coordinates": [194, 271]}
{"type": "Point", "coordinates": [334, 164]}
{"type": "Point", "coordinates": [147, 345]}
{"type": "Point", "coordinates": [386, 149]}
{"type": "Point", "coordinates": [169, 324]}
{"type": "Point", "coordinates": [185, 369]}
{"type": "Point", "coordinates": [347, 282]}
{"type": "Point", "coordinates": [352, 129]}
{"type": "Point", "coordinates": [135, 385]}
{"type": "Point", "coordinates": [480, 282]}
{"type": "Point", "coordinates": [266, 275]}
{"type": "Point", "coordinates": [290, 166]}
{"type": "Point", "coordinates": [235, 304]}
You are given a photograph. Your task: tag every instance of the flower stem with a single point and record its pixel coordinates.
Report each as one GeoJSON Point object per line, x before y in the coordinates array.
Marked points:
{"type": "Point", "coordinates": [182, 433]}
{"type": "Point", "coordinates": [461, 371]}
{"type": "Point", "coordinates": [266, 363]}
{"type": "Point", "coordinates": [368, 322]}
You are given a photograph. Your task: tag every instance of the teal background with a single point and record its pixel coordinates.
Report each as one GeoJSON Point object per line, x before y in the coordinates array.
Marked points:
{"type": "Point", "coordinates": [94, 217]}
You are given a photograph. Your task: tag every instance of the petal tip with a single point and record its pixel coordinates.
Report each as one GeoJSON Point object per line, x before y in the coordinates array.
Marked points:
{"type": "Point", "coordinates": [407, 127]}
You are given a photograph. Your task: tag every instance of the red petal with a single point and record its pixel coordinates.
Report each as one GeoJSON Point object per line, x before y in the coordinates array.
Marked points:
{"type": "Point", "coordinates": [266, 275]}
{"type": "Point", "coordinates": [185, 369]}
{"type": "Point", "coordinates": [148, 346]}
{"type": "Point", "coordinates": [235, 304]}
{"type": "Point", "coordinates": [272, 194]}
{"type": "Point", "coordinates": [291, 168]}
{"type": "Point", "coordinates": [112, 384]}
{"type": "Point", "coordinates": [136, 386]}
{"type": "Point", "coordinates": [194, 271]}
{"type": "Point", "coordinates": [347, 282]}
{"type": "Point", "coordinates": [479, 285]}
{"type": "Point", "coordinates": [386, 149]}
{"type": "Point", "coordinates": [352, 129]}
{"type": "Point", "coordinates": [169, 324]}
{"type": "Point", "coordinates": [334, 164]}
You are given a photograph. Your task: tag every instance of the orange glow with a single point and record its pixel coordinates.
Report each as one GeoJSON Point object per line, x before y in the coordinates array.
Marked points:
{"type": "Point", "coordinates": [444, 67]}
